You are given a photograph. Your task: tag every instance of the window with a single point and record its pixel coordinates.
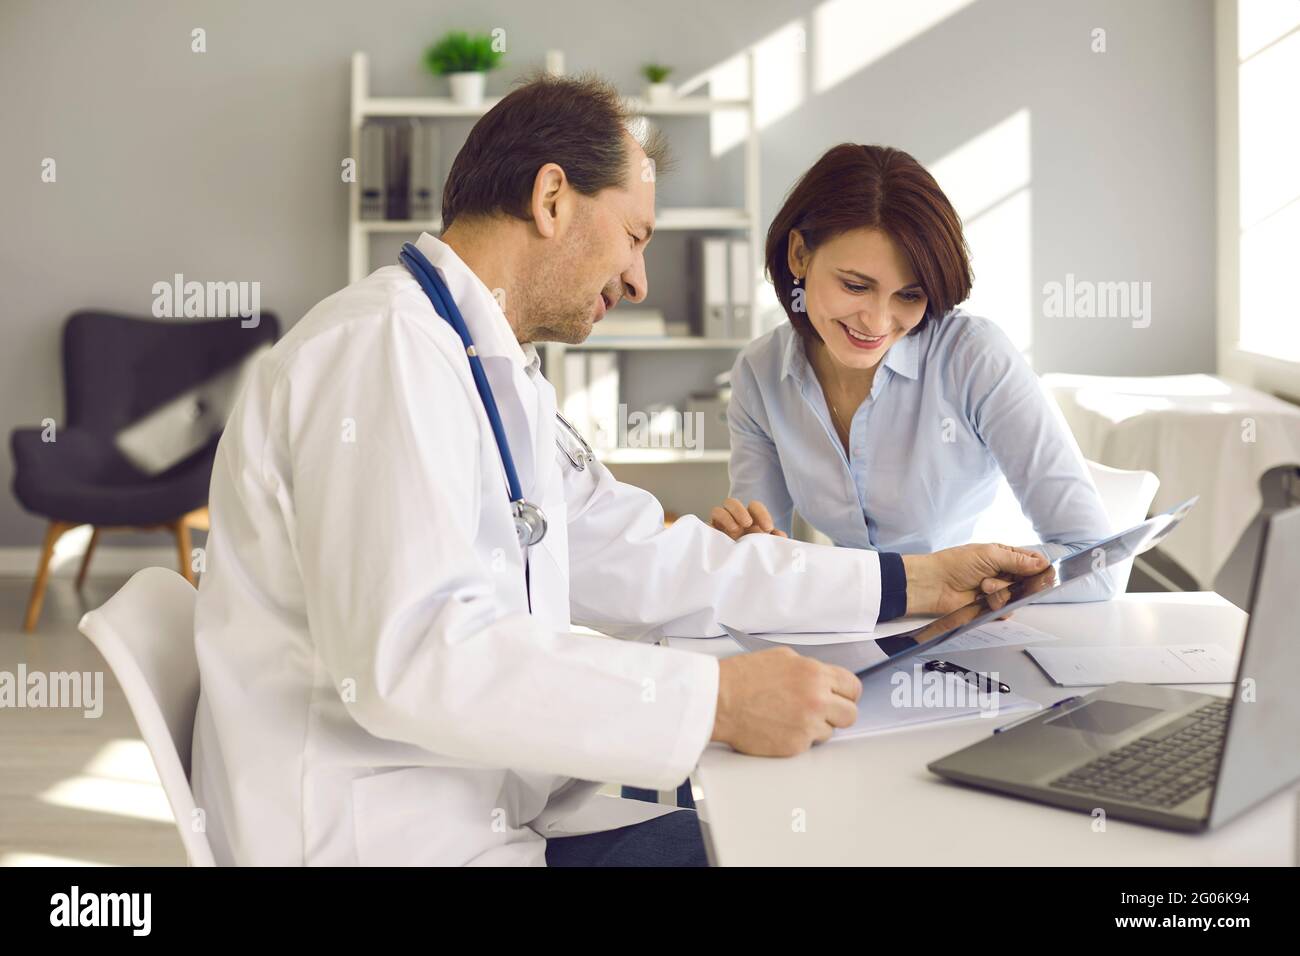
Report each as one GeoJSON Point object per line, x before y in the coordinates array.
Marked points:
{"type": "Point", "coordinates": [1258, 63]}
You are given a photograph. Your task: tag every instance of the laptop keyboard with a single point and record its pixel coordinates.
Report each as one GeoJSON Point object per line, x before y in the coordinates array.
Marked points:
{"type": "Point", "coordinates": [1162, 769]}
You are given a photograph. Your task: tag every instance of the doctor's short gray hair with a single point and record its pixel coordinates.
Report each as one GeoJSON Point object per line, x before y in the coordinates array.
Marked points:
{"type": "Point", "coordinates": [577, 122]}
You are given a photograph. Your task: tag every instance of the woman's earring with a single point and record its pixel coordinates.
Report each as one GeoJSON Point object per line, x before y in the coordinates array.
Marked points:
{"type": "Point", "coordinates": [796, 280]}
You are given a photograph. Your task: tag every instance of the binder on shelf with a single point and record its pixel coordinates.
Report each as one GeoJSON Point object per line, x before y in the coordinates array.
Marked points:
{"type": "Point", "coordinates": [424, 173]}
{"type": "Point", "coordinates": [712, 430]}
{"type": "Point", "coordinates": [397, 170]}
{"type": "Point", "coordinates": [591, 390]}
{"type": "Point", "coordinates": [602, 399]}
{"type": "Point", "coordinates": [575, 406]}
{"type": "Point", "coordinates": [742, 288]}
{"type": "Point", "coordinates": [372, 171]}
{"type": "Point", "coordinates": [715, 319]}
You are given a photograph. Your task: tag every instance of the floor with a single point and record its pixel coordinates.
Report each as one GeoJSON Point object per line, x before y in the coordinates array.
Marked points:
{"type": "Point", "coordinates": [74, 790]}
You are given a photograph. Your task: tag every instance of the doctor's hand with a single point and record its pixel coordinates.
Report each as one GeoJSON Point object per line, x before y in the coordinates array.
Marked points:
{"type": "Point", "coordinates": [735, 520]}
{"type": "Point", "coordinates": [946, 580]}
{"type": "Point", "coordinates": [777, 703]}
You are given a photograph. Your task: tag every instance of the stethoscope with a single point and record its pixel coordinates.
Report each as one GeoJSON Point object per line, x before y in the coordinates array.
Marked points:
{"type": "Point", "coordinates": [530, 522]}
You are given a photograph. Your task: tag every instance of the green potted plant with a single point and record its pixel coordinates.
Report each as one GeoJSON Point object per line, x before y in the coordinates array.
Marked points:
{"type": "Point", "coordinates": [657, 90]}
{"type": "Point", "coordinates": [465, 60]}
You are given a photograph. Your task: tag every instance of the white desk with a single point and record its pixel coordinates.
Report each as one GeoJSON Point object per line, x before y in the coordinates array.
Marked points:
{"type": "Point", "coordinates": [871, 800]}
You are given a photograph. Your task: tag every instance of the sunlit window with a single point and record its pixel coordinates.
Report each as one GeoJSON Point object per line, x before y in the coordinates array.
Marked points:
{"type": "Point", "coordinates": [1268, 75]}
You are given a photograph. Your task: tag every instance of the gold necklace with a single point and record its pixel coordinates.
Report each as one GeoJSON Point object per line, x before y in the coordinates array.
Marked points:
{"type": "Point", "coordinates": [839, 384]}
{"type": "Point", "coordinates": [835, 413]}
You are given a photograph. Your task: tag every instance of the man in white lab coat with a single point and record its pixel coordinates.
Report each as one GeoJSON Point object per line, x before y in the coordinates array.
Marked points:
{"type": "Point", "coordinates": [387, 676]}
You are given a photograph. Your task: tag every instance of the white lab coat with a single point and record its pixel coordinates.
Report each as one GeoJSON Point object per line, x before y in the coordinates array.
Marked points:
{"type": "Point", "coordinates": [375, 689]}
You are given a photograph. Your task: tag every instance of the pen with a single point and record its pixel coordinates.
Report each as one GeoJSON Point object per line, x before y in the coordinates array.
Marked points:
{"type": "Point", "coordinates": [1037, 713]}
{"type": "Point", "coordinates": [972, 677]}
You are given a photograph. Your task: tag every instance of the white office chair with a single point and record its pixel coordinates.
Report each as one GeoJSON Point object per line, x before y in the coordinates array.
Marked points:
{"type": "Point", "coordinates": [1126, 496]}
{"type": "Point", "coordinates": [146, 633]}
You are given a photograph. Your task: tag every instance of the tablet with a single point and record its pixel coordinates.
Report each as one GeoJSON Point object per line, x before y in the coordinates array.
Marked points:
{"type": "Point", "coordinates": [1062, 573]}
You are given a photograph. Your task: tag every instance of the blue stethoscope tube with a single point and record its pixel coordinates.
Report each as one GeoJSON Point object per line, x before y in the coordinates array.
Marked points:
{"type": "Point", "coordinates": [530, 523]}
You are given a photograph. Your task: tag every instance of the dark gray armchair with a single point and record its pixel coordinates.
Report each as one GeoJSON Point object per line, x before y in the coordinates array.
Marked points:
{"type": "Point", "coordinates": [117, 369]}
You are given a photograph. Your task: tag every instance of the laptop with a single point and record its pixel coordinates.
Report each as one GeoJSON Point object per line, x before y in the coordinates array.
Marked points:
{"type": "Point", "coordinates": [1165, 757]}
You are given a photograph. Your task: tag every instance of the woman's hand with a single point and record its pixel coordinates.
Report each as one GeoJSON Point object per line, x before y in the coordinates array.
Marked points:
{"type": "Point", "coordinates": [735, 520]}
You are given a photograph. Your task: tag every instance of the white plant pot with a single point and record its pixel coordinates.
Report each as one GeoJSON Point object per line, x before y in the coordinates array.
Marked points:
{"type": "Point", "coordinates": [659, 92]}
{"type": "Point", "coordinates": [467, 88]}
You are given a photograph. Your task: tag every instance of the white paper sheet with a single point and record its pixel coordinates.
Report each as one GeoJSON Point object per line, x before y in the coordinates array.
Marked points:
{"type": "Point", "coordinates": [857, 649]}
{"type": "Point", "coordinates": [895, 697]}
{"type": "Point", "coordinates": [997, 634]}
{"type": "Point", "coordinates": [851, 650]}
{"type": "Point", "coordinates": [905, 696]}
{"type": "Point", "coordinates": [1158, 664]}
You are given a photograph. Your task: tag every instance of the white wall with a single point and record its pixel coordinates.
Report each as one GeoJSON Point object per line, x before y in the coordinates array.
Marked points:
{"type": "Point", "coordinates": [225, 165]}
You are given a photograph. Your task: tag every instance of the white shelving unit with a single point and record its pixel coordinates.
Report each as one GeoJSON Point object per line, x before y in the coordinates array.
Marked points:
{"type": "Point", "coordinates": [670, 220]}
{"type": "Point", "coordinates": [661, 456]}
{"type": "Point", "coordinates": [619, 343]}
{"type": "Point", "coordinates": [744, 219]}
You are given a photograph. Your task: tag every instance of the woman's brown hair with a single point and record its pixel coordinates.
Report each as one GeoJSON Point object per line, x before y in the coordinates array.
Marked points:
{"type": "Point", "coordinates": [876, 187]}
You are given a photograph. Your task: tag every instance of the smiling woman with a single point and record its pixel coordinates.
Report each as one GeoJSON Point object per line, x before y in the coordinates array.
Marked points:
{"type": "Point", "coordinates": [879, 251]}
{"type": "Point", "coordinates": [879, 190]}
{"type": "Point", "coordinates": [882, 413]}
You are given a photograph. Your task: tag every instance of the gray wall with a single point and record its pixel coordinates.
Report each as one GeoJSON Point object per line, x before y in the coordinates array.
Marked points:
{"type": "Point", "coordinates": [225, 165]}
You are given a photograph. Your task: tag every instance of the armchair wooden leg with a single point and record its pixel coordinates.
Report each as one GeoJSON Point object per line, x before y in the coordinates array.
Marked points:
{"type": "Point", "coordinates": [85, 558]}
{"type": "Point", "coordinates": [182, 531]}
{"type": "Point", "coordinates": [198, 519]}
{"type": "Point", "coordinates": [53, 533]}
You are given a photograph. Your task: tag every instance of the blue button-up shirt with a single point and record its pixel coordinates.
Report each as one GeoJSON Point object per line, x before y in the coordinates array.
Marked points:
{"type": "Point", "coordinates": [952, 409]}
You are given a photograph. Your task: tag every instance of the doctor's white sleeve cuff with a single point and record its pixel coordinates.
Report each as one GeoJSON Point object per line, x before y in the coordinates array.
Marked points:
{"type": "Point", "coordinates": [696, 726]}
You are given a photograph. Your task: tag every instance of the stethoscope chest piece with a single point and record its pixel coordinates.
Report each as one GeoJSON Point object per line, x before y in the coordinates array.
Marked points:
{"type": "Point", "coordinates": [530, 523]}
